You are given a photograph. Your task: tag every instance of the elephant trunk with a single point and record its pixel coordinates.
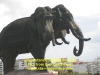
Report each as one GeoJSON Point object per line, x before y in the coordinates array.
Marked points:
{"type": "Point", "coordinates": [53, 39]}
{"type": "Point", "coordinates": [79, 52]}
{"type": "Point", "coordinates": [48, 29]}
{"type": "Point", "coordinates": [76, 31]}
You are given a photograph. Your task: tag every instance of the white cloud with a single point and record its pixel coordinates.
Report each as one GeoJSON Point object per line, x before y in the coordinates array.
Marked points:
{"type": "Point", "coordinates": [3, 8]}
{"type": "Point", "coordinates": [95, 35]}
{"type": "Point", "coordinates": [84, 7]}
{"type": "Point", "coordinates": [4, 18]}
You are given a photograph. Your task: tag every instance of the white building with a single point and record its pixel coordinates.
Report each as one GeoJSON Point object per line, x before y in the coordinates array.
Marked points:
{"type": "Point", "coordinates": [80, 68]}
{"type": "Point", "coordinates": [1, 68]}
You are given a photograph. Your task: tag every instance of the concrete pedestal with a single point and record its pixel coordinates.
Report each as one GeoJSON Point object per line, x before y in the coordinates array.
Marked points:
{"type": "Point", "coordinates": [26, 72]}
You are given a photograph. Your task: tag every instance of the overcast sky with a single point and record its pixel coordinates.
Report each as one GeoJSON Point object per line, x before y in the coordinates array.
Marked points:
{"type": "Point", "coordinates": [86, 13]}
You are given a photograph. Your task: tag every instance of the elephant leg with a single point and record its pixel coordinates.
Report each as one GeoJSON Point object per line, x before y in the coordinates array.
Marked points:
{"type": "Point", "coordinates": [38, 53]}
{"type": "Point", "coordinates": [39, 56]}
{"type": "Point", "coordinates": [9, 61]}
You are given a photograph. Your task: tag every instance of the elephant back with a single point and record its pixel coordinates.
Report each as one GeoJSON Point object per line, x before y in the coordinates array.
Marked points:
{"type": "Point", "coordinates": [15, 33]}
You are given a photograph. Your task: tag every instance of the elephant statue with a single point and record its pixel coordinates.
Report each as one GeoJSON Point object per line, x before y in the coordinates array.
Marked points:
{"type": "Point", "coordinates": [33, 34]}
{"type": "Point", "coordinates": [30, 34]}
{"type": "Point", "coordinates": [64, 23]}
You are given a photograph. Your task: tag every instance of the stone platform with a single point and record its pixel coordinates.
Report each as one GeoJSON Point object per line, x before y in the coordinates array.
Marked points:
{"type": "Point", "coordinates": [27, 72]}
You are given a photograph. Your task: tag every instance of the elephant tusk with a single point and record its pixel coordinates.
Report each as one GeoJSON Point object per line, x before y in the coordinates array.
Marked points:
{"type": "Point", "coordinates": [85, 39]}
{"type": "Point", "coordinates": [53, 39]}
{"type": "Point", "coordinates": [66, 42]}
{"type": "Point", "coordinates": [58, 42]}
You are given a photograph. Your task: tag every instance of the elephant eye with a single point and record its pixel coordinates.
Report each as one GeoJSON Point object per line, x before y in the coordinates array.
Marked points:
{"type": "Point", "coordinates": [72, 16]}
{"type": "Point", "coordinates": [67, 15]}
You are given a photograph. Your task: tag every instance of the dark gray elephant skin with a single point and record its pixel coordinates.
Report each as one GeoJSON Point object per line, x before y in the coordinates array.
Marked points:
{"type": "Point", "coordinates": [30, 34]}
{"type": "Point", "coordinates": [63, 22]}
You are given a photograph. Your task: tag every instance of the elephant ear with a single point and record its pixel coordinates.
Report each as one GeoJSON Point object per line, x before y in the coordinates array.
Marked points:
{"type": "Point", "coordinates": [49, 9]}
{"type": "Point", "coordinates": [32, 21]}
{"type": "Point", "coordinates": [33, 17]}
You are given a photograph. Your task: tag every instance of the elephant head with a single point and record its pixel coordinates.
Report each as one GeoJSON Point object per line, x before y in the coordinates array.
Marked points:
{"type": "Point", "coordinates": [42, 20]}
{"type": "Point", "coordinates": [64, 21]}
